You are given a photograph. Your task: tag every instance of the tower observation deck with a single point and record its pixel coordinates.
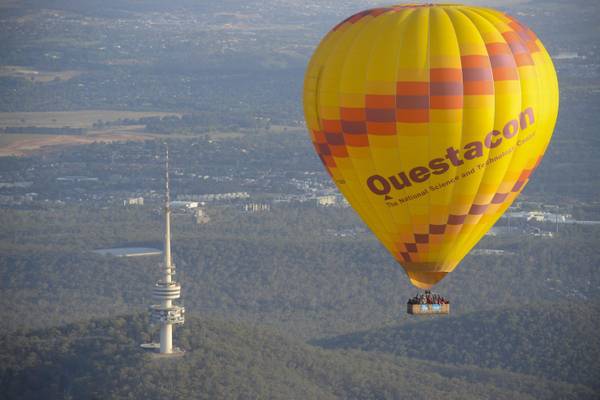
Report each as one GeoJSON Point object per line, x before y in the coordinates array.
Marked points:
{"type": "Point", "coordinates": [166, 290]}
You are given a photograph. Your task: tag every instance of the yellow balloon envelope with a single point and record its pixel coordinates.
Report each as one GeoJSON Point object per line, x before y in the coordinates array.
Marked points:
{"type": "Point", "coordinates": [430, 120]}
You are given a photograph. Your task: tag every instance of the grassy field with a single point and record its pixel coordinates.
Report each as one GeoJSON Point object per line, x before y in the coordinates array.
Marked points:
{"type": "Point", "coordinates": [9, 140]}
{"type": "Point", "coordinates": [23, 144]}
{"type": "Point", "coordinates": [36, 76]}
{"type": "Point", "coordinates": [73, 119]}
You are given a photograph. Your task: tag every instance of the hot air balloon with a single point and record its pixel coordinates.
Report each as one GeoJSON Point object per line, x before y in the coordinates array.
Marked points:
{"type": "Point", "coordinates": [430, 120]}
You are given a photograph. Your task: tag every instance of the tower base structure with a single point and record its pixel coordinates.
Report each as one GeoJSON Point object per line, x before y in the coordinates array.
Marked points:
{"type": "Point", "coordinates": [166, 316]}
{"type": "Point", "coordinates": [153, 348]}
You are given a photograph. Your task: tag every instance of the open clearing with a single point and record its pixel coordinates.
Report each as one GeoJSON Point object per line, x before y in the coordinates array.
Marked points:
{"type": "Point", "coordinates": [36, 76]}
{"type": "Point", "coordinates": [28, 143]}
{"type": "Point", "coordinates": [73, 119]}
{"type": "Point", "coordinates": [23, 144]}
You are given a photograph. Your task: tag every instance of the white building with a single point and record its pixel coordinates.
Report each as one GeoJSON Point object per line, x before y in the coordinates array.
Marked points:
{"type": "Point", "coordinates": [257, 207]}
{"type": "Point", "coordinates": [134, 201]}
{"type": "Point", "coordinates": [184, 204]}
{"type": "Point", "coordinates": [201, 216]}
{"type": "Point", "coordinates": [326, 201]}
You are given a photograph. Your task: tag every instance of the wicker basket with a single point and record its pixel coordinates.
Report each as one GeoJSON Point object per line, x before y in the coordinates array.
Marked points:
{"type": "Point", "coordinates": [427, 309]}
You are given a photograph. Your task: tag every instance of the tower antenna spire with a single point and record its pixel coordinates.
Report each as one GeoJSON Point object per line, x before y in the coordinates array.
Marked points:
{"type": "Point", "coordinates": [167, 244]}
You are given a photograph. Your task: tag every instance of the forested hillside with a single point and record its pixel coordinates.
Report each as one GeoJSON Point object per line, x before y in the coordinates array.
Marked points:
{"type": "Point", "coordinates": [288, 268]}
{"type": "Point", "coordinates": [101, 359]}
{"type": "Point", "coordinates": [547, 340]}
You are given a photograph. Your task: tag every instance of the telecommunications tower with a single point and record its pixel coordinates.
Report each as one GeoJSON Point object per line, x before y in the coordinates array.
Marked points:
{"type": "Point", "coordinates": [166, 290]}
